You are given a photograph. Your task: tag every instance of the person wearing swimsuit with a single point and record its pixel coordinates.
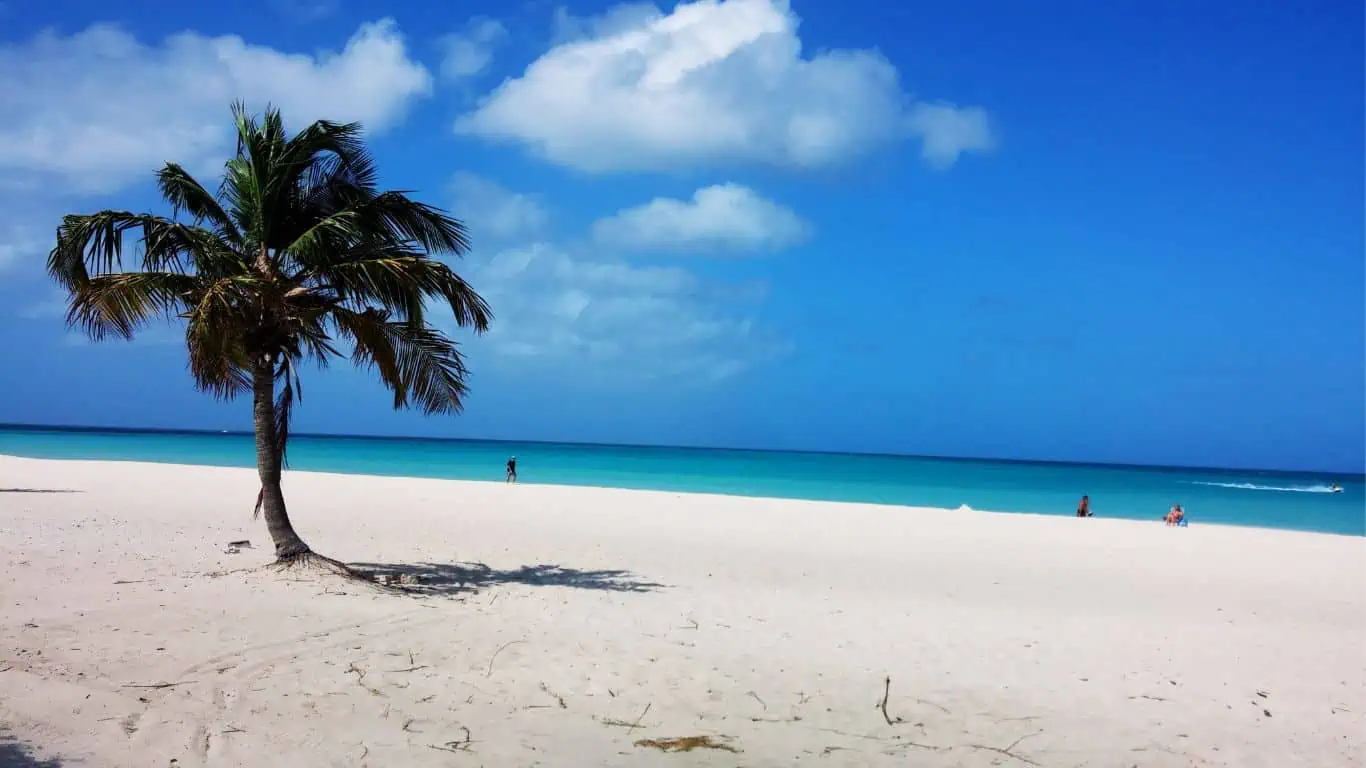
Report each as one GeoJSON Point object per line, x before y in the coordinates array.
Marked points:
{"type": "Point", "coordinates": [1084, 507]}
{"type": "Point", "coordinates": [512, 470]}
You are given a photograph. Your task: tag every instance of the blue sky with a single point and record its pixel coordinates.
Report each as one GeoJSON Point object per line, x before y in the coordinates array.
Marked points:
{"type": "Point", "coordinates": [1095, 231]}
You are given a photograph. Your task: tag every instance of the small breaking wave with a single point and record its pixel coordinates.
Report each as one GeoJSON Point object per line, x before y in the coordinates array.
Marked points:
{"type": "Point", "coordinates": [1281, 488]}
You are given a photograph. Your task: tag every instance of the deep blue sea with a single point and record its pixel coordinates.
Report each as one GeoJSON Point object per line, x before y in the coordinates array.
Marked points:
{"type": "Point", "coordinates": [1251, 498]}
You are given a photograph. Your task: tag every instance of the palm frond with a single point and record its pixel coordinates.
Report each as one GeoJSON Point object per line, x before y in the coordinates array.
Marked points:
{"type": "Point", "coordinates": [315, 174]}
{"type": "Point", "coordinates": [284, 405]}
{"type": "Point", "coordinates": [185, 193]}
{"type": "Point", "coordinates": [405, 219]}
{"type": "Point", "coordinates": [94, 244]}
{"type": "Point", "coordinates": [397, 276]}
{"type": "Point", "coordinates": [327, 152]}
{"type": "Point", "coordinates": [119, 304]}
{"type": "Point", "coordinates": [419, 364]}
{"type": "Point", "coordinates": [177, 247]}
{"type": "Point", "coordinates": [248, 180]}
{"type": "Point", "coordinates": [308, 322]}
{"type": "Point", "coordinates": [334, 183]}
{"type": "Point", "coordinates": [469, 308]}
{"type": "Point", "coordinates": [216, 336]}
{"type": "Point", "coordinates": [324, 237]}
{"type": "Point", "coordinates": [242, 195]}
{"type": "Point", "coordinates": [90, 244]}
{"type": "Point", "coordinates": [371, 346]}
{"type": "Point", "coordinates": [393, 277]}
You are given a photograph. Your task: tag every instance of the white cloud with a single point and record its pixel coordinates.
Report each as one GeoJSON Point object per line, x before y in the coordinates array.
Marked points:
{"type": "Point", "coordinates": [470, 51]}
{"type": "Point", "coordinates": [585, 317]}
{"type": "Point", "coordinates": [494, 213]}
{"type": "Point", "coordinates": [714, 82]}
{"type": "Point", "coordinates": [18, 243]}
{"type": "Point", "coordinates": [567, 311]}
{"type": "Point", "coordinates": [54, 305]}
{"type": "Point", "coordinates": [948, 131]}
{"type": "Point", "coordinates": [619, 18]}
{"type": "Point", "coordinates": [99, 108]}
{"type": "Point", "coordinates": [9, 254]}
{"type": "Point", "coordinates": [724, 217]}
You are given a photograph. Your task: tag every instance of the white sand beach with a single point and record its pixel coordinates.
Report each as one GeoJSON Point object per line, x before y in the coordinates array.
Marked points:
{"type": "Point", "coordinates": [604, 619]}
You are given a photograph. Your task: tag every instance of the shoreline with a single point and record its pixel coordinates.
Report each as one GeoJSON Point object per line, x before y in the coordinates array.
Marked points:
{"type": "Point", "coordinates": [567, 626]}
{"type": "Point", "coordinates": [702, 494]}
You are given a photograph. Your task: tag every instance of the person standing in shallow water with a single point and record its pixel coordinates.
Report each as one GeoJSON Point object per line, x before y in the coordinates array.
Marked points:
{"type": "Point", "coordinates": [1084, 507]}
{"type": "Point", "coordinates": [512, 470]}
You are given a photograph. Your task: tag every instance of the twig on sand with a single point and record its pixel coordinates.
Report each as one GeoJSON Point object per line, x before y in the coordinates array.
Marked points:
{"type": "Point", "coordinates": [546, 690]}
{"type": "Point", "coordinates": [234, 729]}
{"type": "Point", "coordinates": [756, 698]}
{"type": "Point", "coordinates": [489, 672]}
{"type": "Point", "coordinates": [688, 744]}
{"type": "Point", "coordinates": [907, 744]}
{"type": "Point", "coordinates": [929, 703]}
{"type": "Point", "coordinates": [1007, 751]}
{"type": "Point", "coordinates": [627, 724]}
{"type": "Point", "coordinates": [130, 581]}
{"type": "Point", "coordinates": [360, 679]}
{"type": "Point", "coordinates": [848, 735]}
{"type": "Point", "coordinates": [886, 692]}
{"type": "Point", "coordinates": [409, 669]}
{"type": "Point", "coordinates": [159, 686]}
{"type": "Point", "coordinates": [643, 713]}
{"type": "Point", "coordinates": [456, 746]}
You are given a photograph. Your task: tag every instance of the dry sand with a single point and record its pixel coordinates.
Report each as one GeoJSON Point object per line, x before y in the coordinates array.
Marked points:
{"type": "Point", "coordinates": [129, 636]}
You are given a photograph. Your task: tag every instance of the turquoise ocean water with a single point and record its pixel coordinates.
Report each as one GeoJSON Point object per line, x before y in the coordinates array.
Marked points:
{"type": "Point", "coordinates": [1263, 499]}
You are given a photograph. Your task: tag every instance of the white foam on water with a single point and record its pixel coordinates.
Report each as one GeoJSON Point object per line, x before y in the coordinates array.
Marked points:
{"type": "Point", "coordinates": [1281, 488]}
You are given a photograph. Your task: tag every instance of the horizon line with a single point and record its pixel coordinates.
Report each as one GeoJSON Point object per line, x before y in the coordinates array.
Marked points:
{"type": "Point", "coordinates": [867, 454]}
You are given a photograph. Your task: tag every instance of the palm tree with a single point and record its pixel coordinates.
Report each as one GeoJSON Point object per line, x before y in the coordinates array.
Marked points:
{"type": "Point", "coordinates": [297, 250]}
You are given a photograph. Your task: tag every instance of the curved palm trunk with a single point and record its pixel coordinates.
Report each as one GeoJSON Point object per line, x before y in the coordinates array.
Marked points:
{"type": "Point", "coordinates": [269, 459]}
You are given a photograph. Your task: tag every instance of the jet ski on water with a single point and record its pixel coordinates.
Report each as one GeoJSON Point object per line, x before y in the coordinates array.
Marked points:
{"type": "Point", "coordinates": [1335, 488]}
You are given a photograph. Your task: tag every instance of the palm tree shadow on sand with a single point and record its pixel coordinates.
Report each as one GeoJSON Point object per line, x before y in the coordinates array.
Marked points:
{"type": "Point", "coordinates": [451, 579]}
{"type": "Point", "coordinates": [14, 754]}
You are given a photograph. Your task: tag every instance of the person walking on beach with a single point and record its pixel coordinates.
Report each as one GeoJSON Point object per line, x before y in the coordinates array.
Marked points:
{"type": "Point", "coordinates": [1176, 515]}
{"type": "Point", "coordinates": [1084, 507]}
{"type": "Point", "coordinates": [512, 470]}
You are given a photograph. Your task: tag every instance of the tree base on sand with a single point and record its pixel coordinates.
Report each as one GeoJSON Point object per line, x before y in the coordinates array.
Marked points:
{"type": "Point", "coordinates": [309, 560]}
